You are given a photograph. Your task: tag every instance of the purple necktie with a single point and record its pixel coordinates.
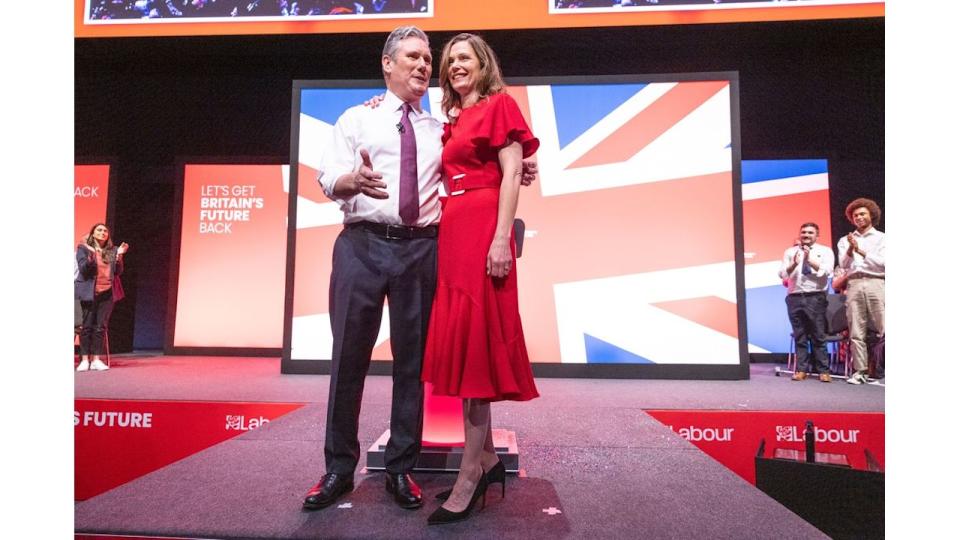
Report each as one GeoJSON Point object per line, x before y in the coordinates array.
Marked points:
{"type": "Point", "coordinates": [409, 194]}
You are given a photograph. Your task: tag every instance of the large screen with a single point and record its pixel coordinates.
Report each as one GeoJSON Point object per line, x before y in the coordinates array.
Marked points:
{"type": "Point", "coordinates": [120, 18]}
{"type": "Point", "coordinates": [630, 253]}
{"type": "Point", "coordinates": [232, 257]}
{"type": "Point", "coordinates": [778, 196]}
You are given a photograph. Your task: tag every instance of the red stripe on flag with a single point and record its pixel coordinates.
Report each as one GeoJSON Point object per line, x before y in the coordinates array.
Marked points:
{"type": "Point", "coordinates": [771, 224]}
{"type": "Point", "coordinates": [519, 94]}
{"type": "Point", "coordinates": [311, 276]}
{"type": "Point", "coordinates": [650, 123]}
{"type": "Point", "coordinates": [383, 351]}
{"type": "Point", "coordinates": [307, 185]}
{"type": "Point", "coordinates": [709, 311]}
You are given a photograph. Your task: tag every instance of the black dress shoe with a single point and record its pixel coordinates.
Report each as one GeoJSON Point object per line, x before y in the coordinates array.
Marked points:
{"type": "Point", "coordinates": [404, 490]}
{"type": "Point", "coordinates": [328, 490]}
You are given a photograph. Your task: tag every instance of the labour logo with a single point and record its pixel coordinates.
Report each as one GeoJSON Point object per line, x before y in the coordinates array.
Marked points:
{"type": "Point", "coordinates": [786, 433]}
{"type": "Point", "coordinates": [241, 423]}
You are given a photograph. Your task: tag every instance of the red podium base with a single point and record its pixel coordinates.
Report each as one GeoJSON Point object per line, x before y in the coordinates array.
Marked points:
{"type": "Point", "coordinates": [442, 447]}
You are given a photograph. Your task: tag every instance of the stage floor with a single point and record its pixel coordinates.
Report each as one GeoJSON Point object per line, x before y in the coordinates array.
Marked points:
{"type": "Point", "coordinates": [217, 378]}
{"type": "Point", "coordinates": [594, 463]}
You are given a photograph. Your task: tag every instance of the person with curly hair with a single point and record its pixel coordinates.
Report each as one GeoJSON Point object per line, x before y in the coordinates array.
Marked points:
{"type": "Point", "coordinates": [862, 256]}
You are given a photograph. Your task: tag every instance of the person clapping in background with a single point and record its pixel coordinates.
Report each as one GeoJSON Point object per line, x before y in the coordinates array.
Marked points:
{"type": "Point", "coordinates": [97, 286]}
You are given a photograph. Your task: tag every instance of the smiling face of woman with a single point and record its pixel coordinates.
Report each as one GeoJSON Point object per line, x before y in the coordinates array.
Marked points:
{"type": "Point", "coordinates": [463, 69]}
{"type": "Point", "coordinates": [101, 234]}
{"type": "Point", "coordinates": [469, 72]}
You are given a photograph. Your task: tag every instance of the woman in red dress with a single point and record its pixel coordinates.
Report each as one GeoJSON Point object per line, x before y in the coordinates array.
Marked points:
{"type": "Point", "coordinates": [475, 348]}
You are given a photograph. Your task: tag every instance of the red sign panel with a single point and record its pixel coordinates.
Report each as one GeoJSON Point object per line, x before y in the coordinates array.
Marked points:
{"type": "Point", "coordinates": [232, 257]}
{"type": "Point", "coordinates": [117, 441]}
{"type": "Point", "coordinates": [732, 437]}
{"type": "Point", "coordinates": [90, 185]}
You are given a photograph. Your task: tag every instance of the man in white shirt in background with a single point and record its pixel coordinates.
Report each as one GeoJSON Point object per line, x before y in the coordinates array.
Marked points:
{"type": "Point", "coordinates": [806, 268]}
{"type": "Point", "coordinates": [862, 256]}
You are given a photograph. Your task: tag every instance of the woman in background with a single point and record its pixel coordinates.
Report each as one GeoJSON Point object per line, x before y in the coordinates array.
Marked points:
{"type": "Point", "coordinates": [97, 286]}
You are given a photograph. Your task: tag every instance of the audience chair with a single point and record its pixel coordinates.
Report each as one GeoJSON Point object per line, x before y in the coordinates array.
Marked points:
{"type": "Point", "coordinates": [838, 335]}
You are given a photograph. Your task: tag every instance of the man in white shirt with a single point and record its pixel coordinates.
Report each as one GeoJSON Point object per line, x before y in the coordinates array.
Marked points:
{"type": "Point", "coordinates": [862, 255]}
{"type": "Point", "coordinates": [383, 167]}
{"type": "Point", "coordinates": [806, 269]}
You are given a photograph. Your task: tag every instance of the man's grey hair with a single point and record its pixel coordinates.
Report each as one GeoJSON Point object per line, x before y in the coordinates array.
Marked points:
{"type": "Point", "coordinates": [398, 35]}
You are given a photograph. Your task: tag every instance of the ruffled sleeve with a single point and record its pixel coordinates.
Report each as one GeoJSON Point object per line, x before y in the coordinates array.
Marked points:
{"type": "Point", "coordinates": [502, 123]}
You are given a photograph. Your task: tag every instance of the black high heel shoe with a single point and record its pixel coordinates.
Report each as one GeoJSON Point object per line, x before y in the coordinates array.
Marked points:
{"type": "Point", "coordinates": [441, 515]}
{"type": "Point", "coordinates": [498, 474]}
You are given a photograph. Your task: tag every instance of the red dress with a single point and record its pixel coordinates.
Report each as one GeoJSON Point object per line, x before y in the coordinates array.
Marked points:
{"type": "Point", "coordinates": [475, 346]}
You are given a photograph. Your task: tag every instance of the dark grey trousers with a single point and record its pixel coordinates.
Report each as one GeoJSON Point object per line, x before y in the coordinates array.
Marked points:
{"type": "Point", "coordinates": [366, 270]}
{"type": "Point", "coordinates": [808, 318]}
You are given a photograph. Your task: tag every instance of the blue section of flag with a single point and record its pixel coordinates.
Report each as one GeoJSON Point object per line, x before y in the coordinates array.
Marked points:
{"type": "Point", "coordinates": [579, 106]}
{"type": "Point", "coordinates": [768, 325]}
{"type": "Point", "coordinates": [760, 170]}
{"type": "Point", "coordinates": [327, 104]}
{"type": "Point", "coordinates": [601, 352]}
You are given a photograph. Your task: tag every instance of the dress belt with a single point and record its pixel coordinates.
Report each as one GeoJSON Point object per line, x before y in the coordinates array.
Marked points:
{"type": "Point", "coordinates": [395, 232]}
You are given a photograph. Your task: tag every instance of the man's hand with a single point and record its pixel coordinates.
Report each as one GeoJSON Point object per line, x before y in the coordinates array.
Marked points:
{"type": "Point", "coordinates": [370, 182]}
{"type": "Point", "coordinates": [800, 254]}
{"type": "Point", "coordinates": [529, 175]}
{"type": "Point", "coordinates": [365, 181]}
{"type": "Point", "coordinates": [853, 245]}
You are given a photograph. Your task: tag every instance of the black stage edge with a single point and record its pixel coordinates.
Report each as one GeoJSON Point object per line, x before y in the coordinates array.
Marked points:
{"type": "Point", "coordinates": [730, 372]}
{"type": "Point", "coordinates": [768, 358]}
{"type": "Point", "coordinates": [840, 501]}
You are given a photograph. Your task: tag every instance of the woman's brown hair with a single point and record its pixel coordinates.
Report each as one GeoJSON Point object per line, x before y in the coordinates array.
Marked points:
{"type": "Point", "coordinates": [489, 82]}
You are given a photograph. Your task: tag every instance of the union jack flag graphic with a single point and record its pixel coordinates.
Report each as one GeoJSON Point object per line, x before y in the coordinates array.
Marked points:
{"type": "Point", "coordinates": [778, 196]}
{"type": "Point", "coordinates": [629, 252]}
